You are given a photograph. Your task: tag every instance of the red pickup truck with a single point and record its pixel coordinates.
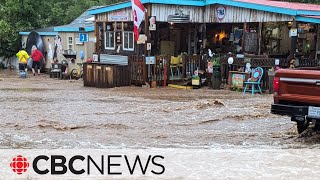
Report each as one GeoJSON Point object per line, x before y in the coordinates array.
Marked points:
{"type": "Point", "coordinates": [297, 94]}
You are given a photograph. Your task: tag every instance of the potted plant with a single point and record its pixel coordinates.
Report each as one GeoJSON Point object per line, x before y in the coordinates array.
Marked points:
{"type": "Point", "coordinates": [195, 80]}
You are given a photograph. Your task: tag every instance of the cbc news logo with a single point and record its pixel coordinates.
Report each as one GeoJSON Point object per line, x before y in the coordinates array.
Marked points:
{"type": "Point", "coordinates": [19, 164]}
{"type": "Point", "coordinates": [104, 164]}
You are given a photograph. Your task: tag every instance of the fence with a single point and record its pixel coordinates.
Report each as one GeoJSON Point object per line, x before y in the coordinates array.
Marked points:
{"type": "Point", "coordinates": [105, 76]}
{"type": "Point", "coordinates": [265, 63]}
{"type": "Point", "coordinates": [138, 72]}
{"type": "Point", "coordinates": [142, 72]}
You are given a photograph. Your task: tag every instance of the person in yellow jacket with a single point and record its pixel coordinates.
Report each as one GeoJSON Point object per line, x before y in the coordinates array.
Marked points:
{"type": "Point", "coordinates": [23, 57]}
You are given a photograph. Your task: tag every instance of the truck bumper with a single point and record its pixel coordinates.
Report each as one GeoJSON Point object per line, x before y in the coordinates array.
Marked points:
{"type": "Point", "coordinates": [289, 110]}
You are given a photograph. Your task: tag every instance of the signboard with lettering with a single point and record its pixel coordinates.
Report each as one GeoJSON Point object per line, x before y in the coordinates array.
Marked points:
{"type": "Point", "coordinates": [83, 37]}
{"type": "Point", "coordinates": [118, 16]}
{"type": "Point", "coordinates": [150, 60]}
{"type": "Point", "coordinates": [237, 80]}
{"type": "Point", "coordinates": [220, 12]}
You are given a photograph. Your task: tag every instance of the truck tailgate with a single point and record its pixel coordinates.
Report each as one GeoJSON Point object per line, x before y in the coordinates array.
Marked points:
{"type": "Point", "coordinates": [299, 85]}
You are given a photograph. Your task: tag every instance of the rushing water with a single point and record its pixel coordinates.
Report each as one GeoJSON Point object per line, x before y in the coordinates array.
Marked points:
{"type": "Point", "coordinates": [44, 113]}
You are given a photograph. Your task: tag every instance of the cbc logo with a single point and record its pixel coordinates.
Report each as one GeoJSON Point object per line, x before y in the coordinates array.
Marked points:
{"type": "Point", "coordinates": [19, 164]}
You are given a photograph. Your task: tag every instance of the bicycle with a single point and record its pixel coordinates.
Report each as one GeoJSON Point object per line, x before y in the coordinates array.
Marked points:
{"type": "Point", "coordinates": [77, 73]}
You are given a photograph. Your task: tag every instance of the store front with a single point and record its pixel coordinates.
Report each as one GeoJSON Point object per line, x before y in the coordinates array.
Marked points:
{"type": "Point", "coordinates": [186, 30]}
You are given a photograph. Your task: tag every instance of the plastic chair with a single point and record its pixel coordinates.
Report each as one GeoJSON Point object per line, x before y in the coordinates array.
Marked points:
{"type": "Point", "coordinates": [174, 64]}
{"type": "Point", "coordinates": [255, 79]}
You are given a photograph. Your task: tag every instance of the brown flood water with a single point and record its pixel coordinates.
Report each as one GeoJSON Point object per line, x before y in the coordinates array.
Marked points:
{"type": "Point", "coordinates": [39, 112]}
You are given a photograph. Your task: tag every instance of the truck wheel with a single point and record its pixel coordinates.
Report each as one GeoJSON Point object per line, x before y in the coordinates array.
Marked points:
{"type": "Point", "coordinates": [317, 126]}
{"type": "Point", "coordinates": [301, 125]}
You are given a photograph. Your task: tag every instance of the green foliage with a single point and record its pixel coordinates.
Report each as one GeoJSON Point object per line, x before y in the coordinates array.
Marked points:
{"type": "Point", "coordinates": [195, 77]}
{"type": "Point", "coordinates": [27, 15]}
{"type": "Point", "coordinates": [215, 61]}
{"type": "Point", "coordinates": [236, 89]}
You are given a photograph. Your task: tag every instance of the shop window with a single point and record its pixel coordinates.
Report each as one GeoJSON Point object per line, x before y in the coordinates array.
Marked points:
{"type": "Point", "coordinates": [128, 41]}
{"type": "Point", "coordinates": [70, 42]}
{"type": "Point", "coordinates": [110, 40]}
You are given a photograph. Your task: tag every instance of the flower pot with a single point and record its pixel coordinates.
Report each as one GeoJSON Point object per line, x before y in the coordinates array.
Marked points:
{"type": "Point", "coordinates": [195, 82]}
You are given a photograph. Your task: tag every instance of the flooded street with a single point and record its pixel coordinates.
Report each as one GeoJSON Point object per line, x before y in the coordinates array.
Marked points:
{"type": "Point", "coordinates": [39, 112]}
{"type": "Point", "coordinates": [43, 113]}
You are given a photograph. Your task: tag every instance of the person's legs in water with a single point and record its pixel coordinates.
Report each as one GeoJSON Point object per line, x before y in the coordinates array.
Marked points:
{"type": "Point", "coordinates": [33, 66]}
{"type": "Point", "coordinates": [38, 67]}
{"type": "Point", "coordinates": [21, 67]}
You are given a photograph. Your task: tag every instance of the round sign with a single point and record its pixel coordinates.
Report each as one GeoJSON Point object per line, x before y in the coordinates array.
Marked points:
{"type": "Point", "coordinates": [230, 60]}
{"type": "Point", "coordinates": [220, 12]}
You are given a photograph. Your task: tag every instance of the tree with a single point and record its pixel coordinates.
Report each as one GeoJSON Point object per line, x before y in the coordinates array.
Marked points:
{"type": "Point", "coordinates": [27, 15]}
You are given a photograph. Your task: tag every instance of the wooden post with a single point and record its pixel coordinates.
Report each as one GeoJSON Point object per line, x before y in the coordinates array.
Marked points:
{"type": "Point", "coordinates": [189, 39]}
{"type": "Point", "coordinates": [204, 30]}
{"type": "Point", "coordinates": [259, 38]}
{"type": "Point", "coordinates": [147, 34]}
{"type": "Point", "coordinates": [293, 40]}
{"type": "Point", "coordinates": [104, 26]}
{"type": "Point", "coordinates": [243, 36]}
{"type": "Point", "coordinates": [146, 28]}
{"type": "Point", "coordinates": [195, 39]}
{"type": "Point", "coordinates": [96, 34]}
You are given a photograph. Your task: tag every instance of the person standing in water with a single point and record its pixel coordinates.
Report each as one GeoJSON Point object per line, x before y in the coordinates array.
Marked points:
{"type": "Point", "coordinates": [23, 57]}
{"type": "Point", "coordinates": [36, 56]}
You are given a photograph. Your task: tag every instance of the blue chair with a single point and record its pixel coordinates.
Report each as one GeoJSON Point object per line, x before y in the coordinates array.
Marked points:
{"type": "Point", "coordinates": [255, 79]}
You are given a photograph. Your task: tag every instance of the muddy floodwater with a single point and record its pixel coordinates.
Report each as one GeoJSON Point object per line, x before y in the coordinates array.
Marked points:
{"type": "Point", "coordinates": [40, 112]}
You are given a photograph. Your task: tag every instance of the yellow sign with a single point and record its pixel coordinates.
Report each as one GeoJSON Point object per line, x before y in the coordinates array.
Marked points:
{"type": "Point", "coordinates": [237, 80]}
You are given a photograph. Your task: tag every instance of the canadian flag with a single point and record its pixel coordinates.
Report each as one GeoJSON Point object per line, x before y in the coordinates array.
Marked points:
{"type": "Point", "coordinates": [138, 15]}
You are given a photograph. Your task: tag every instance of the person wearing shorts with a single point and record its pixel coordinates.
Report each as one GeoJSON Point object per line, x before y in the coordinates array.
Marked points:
{"type": "Point", "coordinates": [23, 59]}
{"type": "Point", "coordinates": [36, 56]}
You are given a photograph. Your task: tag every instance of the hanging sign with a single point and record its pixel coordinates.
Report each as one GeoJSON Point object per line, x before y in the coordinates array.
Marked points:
{"type": "Point", "coordinates": [220, 12]}
{"type": "Point", "coordinates": [118, 16]}
{"type": "Point", "coordinates": [150, 60]}
{"type": "Point", "coordinates": [152, 21]}
{"type": "Point", "coordinates": [293, 32]}
{"type": "Point", "coordinates": [83, 37]}
{"type": "Point", "coordinates": [142, 39]}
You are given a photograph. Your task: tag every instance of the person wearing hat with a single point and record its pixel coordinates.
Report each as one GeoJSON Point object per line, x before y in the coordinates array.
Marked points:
{"type": "Point", "coordinates": [36, 56]}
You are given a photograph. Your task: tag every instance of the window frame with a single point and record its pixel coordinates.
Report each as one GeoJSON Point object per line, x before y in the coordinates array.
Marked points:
{"type": "Point", "coordinates": [114, 40]}
{"type": "Point", "coordinates": [123, 41]}
{"type": "Point", "coordinates": [70, 44]}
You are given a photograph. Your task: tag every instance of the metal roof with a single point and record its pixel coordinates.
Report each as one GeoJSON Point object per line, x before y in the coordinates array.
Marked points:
{"type": "Point", "coordinates": [48, 31]}
{"type": "Point", "coordinates": [283, 4]}
{"type": "Point", "coordinates": [287, 8]}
